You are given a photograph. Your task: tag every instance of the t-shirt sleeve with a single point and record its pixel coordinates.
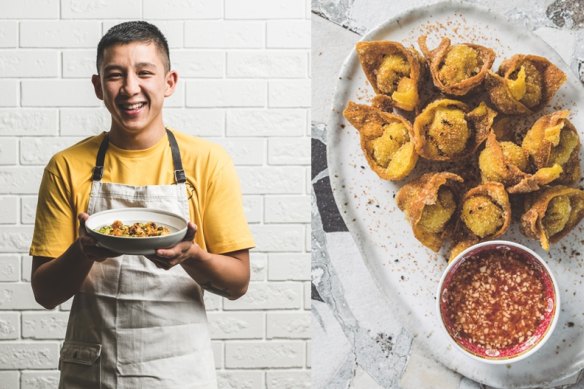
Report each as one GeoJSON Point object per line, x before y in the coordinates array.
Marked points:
{"type": "Point", "coordinates": [224, 221]}
{"type": "Point", "coordinates": [54, 228]}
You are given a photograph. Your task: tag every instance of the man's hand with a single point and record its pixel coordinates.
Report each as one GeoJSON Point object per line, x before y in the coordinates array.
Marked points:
{"type": "Point", "coordinates": [88, 244]}
{"type": "Point", "coordinates": [172, 256]}
{"type": "Point", "coordinates": [224, 274]}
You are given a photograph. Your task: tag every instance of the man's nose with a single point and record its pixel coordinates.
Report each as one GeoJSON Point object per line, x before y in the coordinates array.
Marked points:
{"type": "Point", "coordinates": [131, 84]}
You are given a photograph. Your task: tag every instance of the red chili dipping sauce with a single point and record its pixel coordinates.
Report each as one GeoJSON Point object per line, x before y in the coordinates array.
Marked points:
{"type": "Point", "coordinates": [498, 298]}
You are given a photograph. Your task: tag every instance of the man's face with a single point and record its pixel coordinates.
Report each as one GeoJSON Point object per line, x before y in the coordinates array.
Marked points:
{"type": "Point", "coordinates": [133, 84]}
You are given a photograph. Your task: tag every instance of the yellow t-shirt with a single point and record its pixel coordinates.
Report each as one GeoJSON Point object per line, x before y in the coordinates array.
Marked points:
{"type": "Point", "coordinates": [215, 207]}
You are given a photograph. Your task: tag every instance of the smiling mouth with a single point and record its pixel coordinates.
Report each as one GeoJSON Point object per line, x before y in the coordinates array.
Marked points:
{"type": "Point", "coordinates": [132, 107]}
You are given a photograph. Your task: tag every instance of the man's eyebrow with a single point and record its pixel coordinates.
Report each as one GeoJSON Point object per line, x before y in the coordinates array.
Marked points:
{"type": "Point", "coordinates": [112, 67]}
{"type": "Point", "coordinates": [145, 64]}
{"type": "Point", "coordinates": [138, 65]}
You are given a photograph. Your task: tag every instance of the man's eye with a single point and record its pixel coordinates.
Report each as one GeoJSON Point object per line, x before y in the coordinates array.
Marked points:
{"type": "Point", "coordinates": [145, 73]}
{"type": "Point", "coordinates": [114, 75]}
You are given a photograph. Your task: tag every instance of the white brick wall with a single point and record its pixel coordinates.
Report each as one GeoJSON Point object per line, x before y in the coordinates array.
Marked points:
{"type": "Point", "coordinates": [243, 83]}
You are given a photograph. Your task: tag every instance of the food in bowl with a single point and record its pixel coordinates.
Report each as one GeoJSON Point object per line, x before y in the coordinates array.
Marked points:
{"type": "Point", "coordinates": [498, 301]}
{"type": "Point", "coordinates": [137, 230]}
{"type": "Point", "coordinates": [133, 243]}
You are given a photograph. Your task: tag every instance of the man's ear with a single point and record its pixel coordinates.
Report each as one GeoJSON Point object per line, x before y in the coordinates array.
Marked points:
{"type": "Point", "coordinates": [96, 81]}
{"type": "Point", "coordinates": [171, 81]}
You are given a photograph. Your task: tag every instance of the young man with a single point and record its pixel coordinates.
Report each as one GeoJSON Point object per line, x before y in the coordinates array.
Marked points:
{"type": "Point", "coordinates": [138, 322]}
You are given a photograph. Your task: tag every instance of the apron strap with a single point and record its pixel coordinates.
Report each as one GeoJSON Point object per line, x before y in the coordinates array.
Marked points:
{"type": "Point", "coordinates": [179, 173]}
{"type": "Point", "coordinates": [98, 169]}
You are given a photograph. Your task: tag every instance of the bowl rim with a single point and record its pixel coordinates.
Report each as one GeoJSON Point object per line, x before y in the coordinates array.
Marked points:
{"type": "Point", "coordinates": [154, 210]}
{"type": "Point", "coordinates": [549, 330]}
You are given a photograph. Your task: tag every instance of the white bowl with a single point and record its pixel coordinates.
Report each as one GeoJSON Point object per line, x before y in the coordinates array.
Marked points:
{"type": "Point", "coordinates": [139, 245]}
{"type": "Point", "coordinates": [532, 343]}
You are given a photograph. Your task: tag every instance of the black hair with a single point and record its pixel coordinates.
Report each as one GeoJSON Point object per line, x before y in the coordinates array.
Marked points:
{"type": "Point", "coordinates": [134, 31]}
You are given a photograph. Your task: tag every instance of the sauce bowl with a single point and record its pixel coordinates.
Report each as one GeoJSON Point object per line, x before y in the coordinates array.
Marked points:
{"type": "Point", "coordinates": [498, 301]}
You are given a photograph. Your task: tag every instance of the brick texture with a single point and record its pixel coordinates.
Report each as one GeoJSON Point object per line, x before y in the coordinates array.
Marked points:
{"type": "Point", "coordinates": [224, 34]}
{"type": "Point", "coordinates": [8, 33]}
{"type": "Point", "coordinates": [288, 379]}
{"type": "Point", "coordinates": [9, 95]}
{"type": "Point", "coordinates": [9, 268]}
{"type": "Point", "coordinates": [8, 151]}
{"type": "Point", "coordinates": [265, 354]}
{"type": "Point", "coordinates": [243, 84]}
{"type": "Point", "coordinates": [9, 325]}
{"type": "Point", "coordinates": [9, 379]}
{"type": "Point", "coordinates": [25, 355]}
{"type": "Point", "coordinates": [39, 379]}
{"type": "Point", "coordinates": [240, 379]}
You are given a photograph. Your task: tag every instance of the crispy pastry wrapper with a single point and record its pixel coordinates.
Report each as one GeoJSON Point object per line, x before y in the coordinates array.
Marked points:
{"type": "Point", "coordinates": [460, 246]}
{"type": "Point", "coordinates": [369, 121]}
{"type": "Point", "coordinates": [371, 55]}
{"type": "Point", "coordinates": [496, 167]}
{"type": "Point", "coordinates": [500, 94]}
{"type": "Point", "coordinates": [532, 221]}
{"type": "Point", "coordinates": [436, 59]}
{"type": "Point", "coordinates": [551, 140]}
{"type": "Point", "coordinates": [478, 121]}
{"type": "Point", "coordinates": [503, 126]}
{"type": "Point", "coordinates": [464, 236]}
{"type": "Point", "coordinates": [413, 197]}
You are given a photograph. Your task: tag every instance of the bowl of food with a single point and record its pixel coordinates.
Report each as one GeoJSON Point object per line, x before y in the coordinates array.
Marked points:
{"type": "Point", "coordinates": [137, 231]}
{"type": "Point", "coordinates": [498, 302]}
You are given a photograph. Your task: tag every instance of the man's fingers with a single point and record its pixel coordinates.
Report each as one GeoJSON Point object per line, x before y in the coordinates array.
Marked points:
{"type": "Point", "coordinates": [82, 218]}
{"type": "Point", "coordinates": [191, 232]}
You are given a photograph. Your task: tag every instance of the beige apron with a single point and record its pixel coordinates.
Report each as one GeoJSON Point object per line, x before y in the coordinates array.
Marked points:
{"type": "Point", "coordinates": [133, 325]}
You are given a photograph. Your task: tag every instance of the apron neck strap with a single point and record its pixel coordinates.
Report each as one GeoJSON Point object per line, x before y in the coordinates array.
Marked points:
{"type": "Point", "coordinates": [179, 173]}
{"type": "Point", "coordinates": [98, 169]}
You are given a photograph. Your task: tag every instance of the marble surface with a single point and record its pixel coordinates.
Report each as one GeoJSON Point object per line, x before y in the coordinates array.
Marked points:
{"type": "Point", "coordinates": [357, 342]}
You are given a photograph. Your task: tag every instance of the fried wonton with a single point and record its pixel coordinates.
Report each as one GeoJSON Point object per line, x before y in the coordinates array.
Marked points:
{"type": "Point", "coordinates": [457, 69]}
{"type": "Point", "coordinates": [503, 126]}
{"type": "Point", "coordinates": [508, 163]}
{"type": "Point", "coordinates": [552, 140]}
{"type": "Point", "coordinates": [429, 203]}
{"type": "Point", "coordinates": [524, 84]}
{"type": "Point", "coordinates": [552, 214]}
{"type": "Point", "coordinates": [485, 214]}
{"type": "Point", "coordinates": [386, 140]}
{"type": "Point", "coordinates": [447, 130]}
{"type": "Point", "coordinates": [393, 71]}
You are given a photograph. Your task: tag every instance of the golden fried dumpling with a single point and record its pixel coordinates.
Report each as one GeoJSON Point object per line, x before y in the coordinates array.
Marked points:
{"type": "Point", "coordinates": [459, 68]}
{"type": "Point", "coordinates": [524, 84]}
{"type": "Point", "coordinates": [392, 70]}
{"type": "Point", "coordinates": [386, 140]}
{"type": "Point", "coordinates": [504, 127]}
{"type": "Point", "coordinates": [485, 212]}
{"type": "Point", "coordinates": [553, 140]}
{"type": "Point", "coordinates": [429, 203]}
{"type": "Point", "coordinates": [508, 163]}
{"type": "Point", "coordinates": [447, 130]}
{"type": "Point", "coordinates": [552, 214]}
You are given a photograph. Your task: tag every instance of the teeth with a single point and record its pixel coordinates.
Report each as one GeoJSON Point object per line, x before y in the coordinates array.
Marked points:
{"type": "Point", "coordinates": [132, 106]}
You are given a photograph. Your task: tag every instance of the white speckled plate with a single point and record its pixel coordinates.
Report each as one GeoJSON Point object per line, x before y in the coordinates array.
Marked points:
{"type": "Point", "coordinates": [407, 272]}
